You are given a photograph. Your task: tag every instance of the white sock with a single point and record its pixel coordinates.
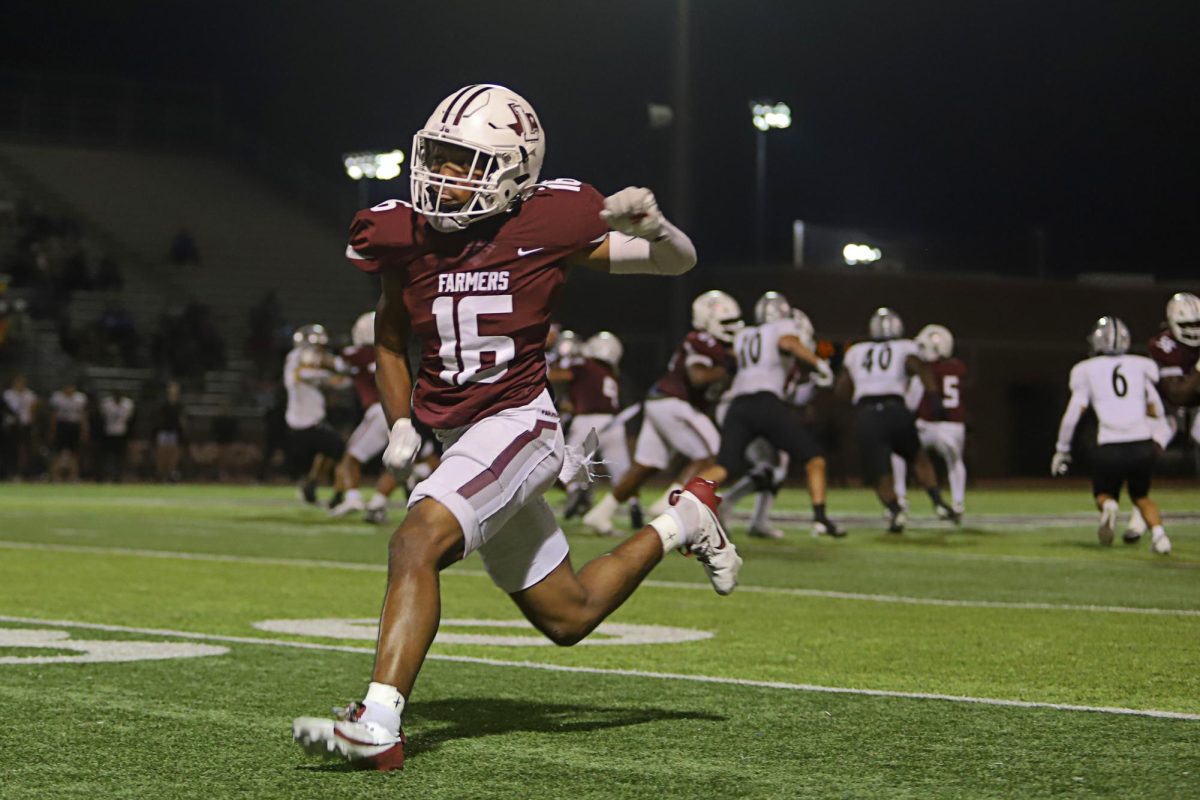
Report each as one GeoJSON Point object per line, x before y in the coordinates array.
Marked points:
{"type": "Point", "coordinates": [377, 501]}
{"type": "Point", "coordinates": [1157, 531]}
{"type": "Point", "coordinates": [1136, 523]}
{"type": "Point", "coordinates": [672, 529]}
{"type": "Point", "coordinates": [353, 496]}
{"type": "Point", "coordinates": [1110, 504]}
{"type": "Point", "coordinates": [384, 705]}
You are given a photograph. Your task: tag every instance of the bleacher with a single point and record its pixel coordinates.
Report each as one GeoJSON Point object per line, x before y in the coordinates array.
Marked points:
{"type": "Point", "coordinates": [250, 239]}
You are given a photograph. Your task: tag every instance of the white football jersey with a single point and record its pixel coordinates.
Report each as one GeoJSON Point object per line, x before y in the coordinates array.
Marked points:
{"type": "Point", "coordinates": [22, 403]}
{"type": "Point", "coordinates": [1119, 389]}
{"type": "Point", "coordinates": [761, 367]}
{"type": "Point", "coordinates": [305, 400]}
{"type": "Point", "coordinates": [69, 409]}
{"type": "Point", "coordinates": [878, 367]}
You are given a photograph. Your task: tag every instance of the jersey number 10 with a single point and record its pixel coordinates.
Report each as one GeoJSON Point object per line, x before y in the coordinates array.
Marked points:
{"type": "Point", "coordinates": [463, 346]}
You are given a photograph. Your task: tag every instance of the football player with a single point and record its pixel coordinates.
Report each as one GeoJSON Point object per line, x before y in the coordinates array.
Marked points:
{"type": "Point", "coordinates": [876, 375]}
{"type": "Point", "coordinates": [1120, 389]}
{"type": "Point", "coordinates": [1176, 351]}
{"type": "Point", "coordinates": [765, 354]}
{"type": "Point", "coordinates": [307, 371]}
{"type": "Point", "coordinates": [946, 437]}
{"type": "Point", "coordinates": [595, 401]}
{"type": "Point", "coordinates": [472, 267]}
{"type": "Point", "coordinates": [675, 413]}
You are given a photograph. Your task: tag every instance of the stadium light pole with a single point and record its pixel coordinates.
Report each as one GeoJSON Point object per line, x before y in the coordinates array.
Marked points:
{"type": "Point", "coordinates": [364, 166]}
{"type": "Point", "coordinates": [766, 116]}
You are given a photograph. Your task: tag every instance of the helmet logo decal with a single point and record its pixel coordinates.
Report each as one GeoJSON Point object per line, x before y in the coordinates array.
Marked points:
{"type": "Point", "coordinates": [523, 118]}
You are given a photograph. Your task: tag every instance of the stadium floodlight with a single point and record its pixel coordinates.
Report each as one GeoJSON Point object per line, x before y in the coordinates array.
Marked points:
{"type": "Point", "coordinates": [861, 254]}
{"type": "Point", "coordinates": [766, 115]}
{"type": "Point", "coordinates": [377, 166]}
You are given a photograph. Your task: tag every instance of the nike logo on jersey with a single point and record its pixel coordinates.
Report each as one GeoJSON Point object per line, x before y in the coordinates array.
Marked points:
{"type": "Point", "coordinates": [521, 251]}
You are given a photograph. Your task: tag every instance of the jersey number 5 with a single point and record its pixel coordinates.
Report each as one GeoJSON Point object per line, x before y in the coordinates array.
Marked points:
{"type": "Point", "coordinates": [462, 345]}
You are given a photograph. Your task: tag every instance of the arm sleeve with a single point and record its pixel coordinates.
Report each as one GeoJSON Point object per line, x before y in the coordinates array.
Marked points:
{"type": "Point", "coordinates": [1075, 407]}
{"type": "Point", "coordinates": [380, 232]}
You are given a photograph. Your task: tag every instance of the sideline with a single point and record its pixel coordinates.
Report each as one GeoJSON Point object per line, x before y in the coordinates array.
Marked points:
{"type": "Point", "coordinates": [626, 673]}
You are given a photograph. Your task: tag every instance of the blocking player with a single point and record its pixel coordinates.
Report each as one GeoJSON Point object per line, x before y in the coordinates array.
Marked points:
{"type": "Point", "coordinates": [595, 400]}
{"type": "Point", "coordinates": [472, 267]}
{"type": "Point", "coordinates": [765, 354]}
{"type": "Point", "coordinates": [946, 437]}
{"type": "Point", "coordinates": [307, 370]}
{"type": "Point", "coordinates": [1120, 388]}
{"type": "Point", "coordinates": [1176, 351]}
{"type": "Point", "coordinates": [675, 413]}
{"type": "Point", "coordinates": [876, 374]}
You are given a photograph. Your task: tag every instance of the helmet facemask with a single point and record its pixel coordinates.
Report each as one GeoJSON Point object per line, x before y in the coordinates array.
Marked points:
{"type": "Point", "coordinates": [1183, 318]}
{"type": "Point", "coordinates": [492, 175]}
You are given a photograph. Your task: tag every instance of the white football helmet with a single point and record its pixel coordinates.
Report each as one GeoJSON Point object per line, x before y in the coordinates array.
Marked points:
{"type": "Point", "coordinates": [885, 324]}
{"type": "Point", "coordinates": [807, 334]}
{"type": "Point", "coordinates": [771, 307]}
{"type": "Point", "coordinates": [311, 335]}
{"type": "Point", "coordinates": [568, 347]}
{"type": "Point", "coordinates": [606, 347]}
{"type": "Point", "coordinates": [506, 146]}
{"type": "Point", "coordinates": [717, 313]}
{"type": "Point", "coordinates": [935, 342]}
{"type": "Point", "coordinates": [363, 332]}
{"type": "Point", "coordinates": [1183, 318]}
{"type": "Point", "coordinates": [1109, 337]}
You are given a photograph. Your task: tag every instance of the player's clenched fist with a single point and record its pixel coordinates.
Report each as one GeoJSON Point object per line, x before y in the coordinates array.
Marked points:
{"type": "Point", "coordinates": [403, 444]}
{"type": "Point", "coordinates": [633, 212]}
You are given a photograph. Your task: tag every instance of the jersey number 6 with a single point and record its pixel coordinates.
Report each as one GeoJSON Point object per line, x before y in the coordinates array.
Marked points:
{"type": "Point", "coordinates": [462, 345]}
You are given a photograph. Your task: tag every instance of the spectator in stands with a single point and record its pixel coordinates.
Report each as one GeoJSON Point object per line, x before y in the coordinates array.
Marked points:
{"type": "Point", "coordinates": [170, 433]}
{"type": "Point", "coordinates": [19, 413]}
{"type": "Point", "coordinates": [69, 431]}
{"type": "Point", "coordinates": [183, 249]}
{"type": "Point", "coordinates": [18, 327]}
{"type": "Point", "coordinates": [116, 415]}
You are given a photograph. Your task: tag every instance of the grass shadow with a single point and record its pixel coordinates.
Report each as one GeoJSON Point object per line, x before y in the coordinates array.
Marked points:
{"type": "Point", "coordinates": [441, 721]}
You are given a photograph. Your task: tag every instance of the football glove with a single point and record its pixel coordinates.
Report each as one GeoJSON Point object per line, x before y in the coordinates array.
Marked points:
{"type": "Point", "coordinates": [1060, 464]}
{"type": "Point", "coordinates": [634, 212]}
{"type": "Point", "coordinates": [823, 374]}
{"type": "Point", "coordinates": [403, 444]}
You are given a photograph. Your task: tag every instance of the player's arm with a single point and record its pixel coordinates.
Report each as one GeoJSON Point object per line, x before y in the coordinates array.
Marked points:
{"type": "Point", "coordinates": [1181, 390]}
{"type": "Point", "coordinates": [1066, 428]}
{"type": "Point", "coordinates": [642, 241]}
{"type": "Point", "coordinates": [792, 345]}
{"type": "Point", "coordinates": [915, 366]}
{"type": "Point", "coordinates": [392, 329]}
{"type": "Point", "coordinates": [392, 377]}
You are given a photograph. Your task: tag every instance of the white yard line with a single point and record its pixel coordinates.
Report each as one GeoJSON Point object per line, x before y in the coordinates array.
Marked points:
{"type": "Point", "coordinates": [625, 673]}
{"type": "Point", "coordinates": [473, 573]}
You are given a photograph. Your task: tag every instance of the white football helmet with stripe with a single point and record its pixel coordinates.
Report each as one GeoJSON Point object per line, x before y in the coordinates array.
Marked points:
{"type": "Point", "coordinates": [717, 313]}
{"type": "Point", "coordinates": [506, 146]}
{"type": "Point", "coordinates": [771, 307]}
{"type": "Point", "coordinates": [1109, 337]}
{"type": "Point", "coordinates": [1183, 318]}
{"type": "Point", "coordinates": [885, 324]}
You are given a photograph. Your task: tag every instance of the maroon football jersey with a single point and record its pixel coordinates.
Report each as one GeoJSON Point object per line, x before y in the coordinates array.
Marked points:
{"type": "Point", "coordinates": [594, 388]}
{"type": "Point", "coordinates": [361, 359]}
{"type": "Point", "coordinates": [480, 299]}
{"type": "Point", "coordinates": [1173, 358]}
{"type": "Point", "coordinates": [949, 374]}
{"type": "Point", "coordinates": [696, 348]}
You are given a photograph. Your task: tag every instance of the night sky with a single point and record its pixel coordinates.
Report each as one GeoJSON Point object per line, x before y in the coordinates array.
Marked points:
{"type": "Point", "coordinates": [972, 123]}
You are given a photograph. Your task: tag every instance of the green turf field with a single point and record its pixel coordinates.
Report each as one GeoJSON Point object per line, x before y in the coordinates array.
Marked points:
{"type": "Point", "coordinates": [1014, 657]}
